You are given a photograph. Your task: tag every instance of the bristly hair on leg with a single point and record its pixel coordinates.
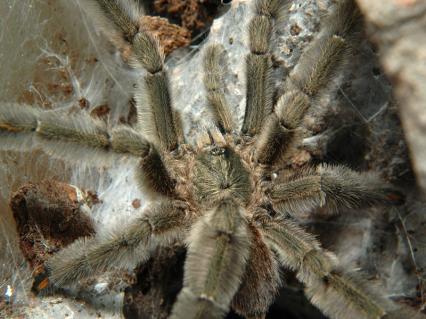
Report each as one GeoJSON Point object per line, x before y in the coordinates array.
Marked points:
{"type": "Point", "coordinates": [217, 256]}
{"type": "Point", "coordinates": [335, 294]}
{"type": "Point", "coordinates": [119, 20]}
{"type": "Point", "coordinates": [312, 75]}
{"type": "Point", "coordinates": [332, 187]}
{"type": "Point", "coordinates": [123, 248]}
{"type": "Point", "coordinates": [329, 52]}
{"type": "Point", "coordinates": [154, 103]}
{"type": "Point", "coordinates": [259, 87]}
{"type": "Point", "coordinates": [213, 61]}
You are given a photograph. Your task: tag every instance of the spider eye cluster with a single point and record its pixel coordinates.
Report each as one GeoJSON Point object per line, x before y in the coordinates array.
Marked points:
{"type": "Point", "coordinates": [218, 174]}
{"type": "Point", "coordinates": [217, 151]}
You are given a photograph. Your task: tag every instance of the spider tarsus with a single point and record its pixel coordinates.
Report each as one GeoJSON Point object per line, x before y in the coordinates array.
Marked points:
{"type": "Point", "coordinates": [260, 31]}
{"type": "Point", "coordinates": [274, 9]}
{"type": "Point", "coordinates": [148, 52]}
{"type": "Point", "coordinates": [319, 64]}
{"type": "Point", "coordinates": [124, 15]}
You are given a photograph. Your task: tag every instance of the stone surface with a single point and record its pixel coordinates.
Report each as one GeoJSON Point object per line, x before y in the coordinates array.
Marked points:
{"type": "Point", "coordinates": [397, 28]}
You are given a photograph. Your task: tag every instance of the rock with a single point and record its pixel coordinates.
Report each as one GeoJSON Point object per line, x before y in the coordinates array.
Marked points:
{"type": "Point", "coordinates": [398, 29]}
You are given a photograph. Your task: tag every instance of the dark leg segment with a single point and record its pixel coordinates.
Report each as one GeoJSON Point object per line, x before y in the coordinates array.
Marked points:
{"type": "Point", "coordinates": [261, 280]}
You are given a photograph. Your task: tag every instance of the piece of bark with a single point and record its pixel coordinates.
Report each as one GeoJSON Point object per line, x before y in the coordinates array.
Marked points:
{"type": "Point", "coordinates": [193, 15]}
{"type": "Point", "coordinates": [171, 36]}
{"type": "Point", "coordinates": [49, 216]}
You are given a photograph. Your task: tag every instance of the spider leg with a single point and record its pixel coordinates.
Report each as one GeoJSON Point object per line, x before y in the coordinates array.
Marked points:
{"type": "Point", "coordinates": [217, 255]}
{"type": "Point", "coordinates": [151, 173]}
{"type": "Point", "coordinates": [311, 76]}
{"type": "Point", "coordinates": [259, 86]}
{"type": "Point", "coordinates": [71, 135]}
{"type": "Point", "coordinates": [336, 294]}
{"type": "Point", "coordinates": [153, 97]}
{"type": "Point", "coordinates": [213, 82]}
{"type": "Point", "coordinates": [124, 248]}
{"type": "Point", "coordinates": [332, 187]}
{"type": "Point", "coordinates": [261, 279]}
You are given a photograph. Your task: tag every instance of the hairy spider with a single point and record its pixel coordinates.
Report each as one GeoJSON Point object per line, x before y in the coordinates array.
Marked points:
{"type": "Point", "coordinates": [230, 197]}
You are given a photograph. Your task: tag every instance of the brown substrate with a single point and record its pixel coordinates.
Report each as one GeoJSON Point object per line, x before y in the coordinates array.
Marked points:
{"type": "Point", "coordinates": [171, 36]}
{"type": "Point", "coordinates": [48, 217]}
{"type": "Point", "coordinates": [193, 15]}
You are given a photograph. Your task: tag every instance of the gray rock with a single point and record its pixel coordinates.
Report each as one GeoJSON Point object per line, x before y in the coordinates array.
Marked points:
{"type": "Point", "coordinates": [398, 29]}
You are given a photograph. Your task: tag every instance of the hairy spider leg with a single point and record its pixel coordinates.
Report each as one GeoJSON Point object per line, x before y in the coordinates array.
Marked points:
{"type": "Point", "coordinates": [311, 76]}
{"type": "Point", "coordinates": [154, 104]}
{"type": "Point", "coordinates": [158, 225]}
{"type": "Point", "coordinates": [217, 255]}
{"type": "Point", "coordinates": [338, 295]}
{"type": "Point", "coordinates": [213, 60]}
{"type": "Point", "coordinates": [259, 85]}
{"type": "Point", "coordinates": [332, 187]}
{"type": "Point", "coordinates": [70, 135]}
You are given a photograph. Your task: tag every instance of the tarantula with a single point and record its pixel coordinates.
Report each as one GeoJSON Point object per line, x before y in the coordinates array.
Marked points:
{"type": "Point", "coordinates": [230, 197]}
